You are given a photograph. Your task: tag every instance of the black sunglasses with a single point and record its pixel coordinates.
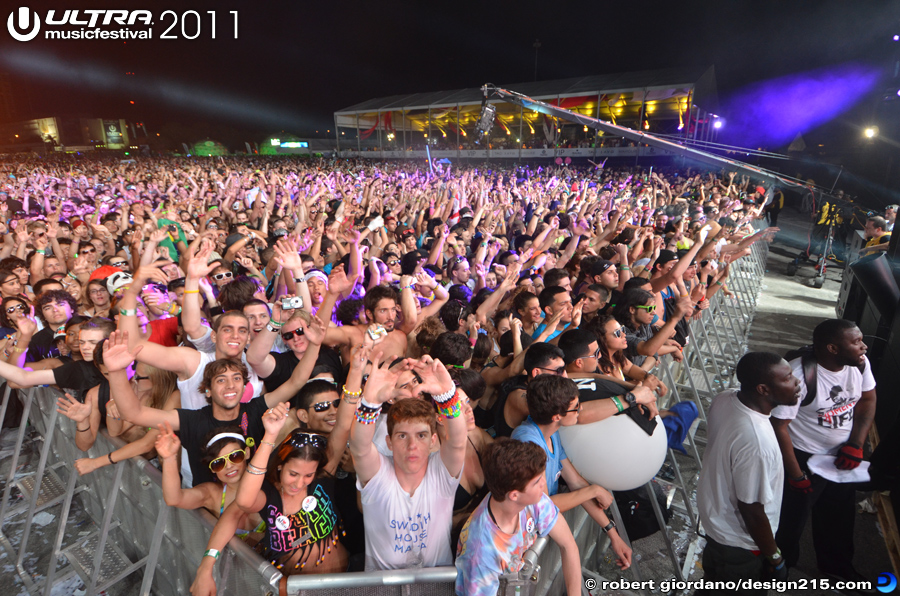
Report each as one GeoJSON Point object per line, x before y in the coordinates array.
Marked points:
{"type": "Point", "coordinates": [287, 335]}
{"type": "Point", "coordinates": [556, 371]}
{"type": "Point", "coordinates": [325, 405]}
{"type": "Point", "coordinates": [297, 440]}
{"type": "Point", "coordinates": [11, 309]}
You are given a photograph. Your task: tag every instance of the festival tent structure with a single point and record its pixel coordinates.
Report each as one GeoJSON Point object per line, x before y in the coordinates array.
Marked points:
{"type": "Point", "coordinates": [677, 102]}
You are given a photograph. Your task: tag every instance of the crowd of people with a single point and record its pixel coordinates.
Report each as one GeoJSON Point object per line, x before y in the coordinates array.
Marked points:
{"type": "Point", "coordinates": [366, 366]}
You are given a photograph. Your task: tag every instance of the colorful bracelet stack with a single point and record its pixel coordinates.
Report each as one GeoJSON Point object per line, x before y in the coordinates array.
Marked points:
{"type": "Point", "coordinates": [367, 413]}
{"type": "Point", "coordinates": [449, 404]}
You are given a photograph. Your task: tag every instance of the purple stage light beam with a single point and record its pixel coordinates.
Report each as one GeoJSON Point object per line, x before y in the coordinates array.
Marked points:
{"type": "Point", "coordinates": [773, 112]}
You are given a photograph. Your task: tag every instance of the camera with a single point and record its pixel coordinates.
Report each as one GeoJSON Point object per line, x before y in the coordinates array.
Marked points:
{"type": "Point", "coordinates": [291, 303]}
{"type": "Point", "coordinates": [376, 332]}
{"type": "Point", "coordinates": [173, 229]}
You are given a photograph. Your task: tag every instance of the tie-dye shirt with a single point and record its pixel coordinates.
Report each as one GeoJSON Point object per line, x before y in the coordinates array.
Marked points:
{"type": "Point", "coordinates": [485, 552]}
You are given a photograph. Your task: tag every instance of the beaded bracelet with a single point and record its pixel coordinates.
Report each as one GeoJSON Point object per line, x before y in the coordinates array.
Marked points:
{"type": "Point", "coordinates": [356, 393]}
{"type": "Point", "coordinates": [367, 413]}
{"type": "Point", "coordinates": [443, 397]}
{"type": "Point", "coordinates": [452, 408]}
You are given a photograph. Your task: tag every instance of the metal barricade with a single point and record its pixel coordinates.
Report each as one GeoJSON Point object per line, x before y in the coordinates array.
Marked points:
{"type": "Point", "coordinates": [134, 531]}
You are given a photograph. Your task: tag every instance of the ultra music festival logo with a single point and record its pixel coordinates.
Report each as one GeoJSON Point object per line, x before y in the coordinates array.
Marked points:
{"type": "Point", "coordinates": [25, 24]}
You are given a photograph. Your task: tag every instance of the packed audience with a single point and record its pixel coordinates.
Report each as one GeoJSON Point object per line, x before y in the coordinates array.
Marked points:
{"type": "Point", "coordinates": [365, 366]}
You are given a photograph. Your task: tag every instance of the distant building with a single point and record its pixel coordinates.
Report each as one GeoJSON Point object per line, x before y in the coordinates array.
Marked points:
{"type": "Point", "coordinates": [65, 133]}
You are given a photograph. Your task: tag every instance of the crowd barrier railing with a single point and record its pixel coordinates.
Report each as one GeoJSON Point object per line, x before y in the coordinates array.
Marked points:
{"type": "Point", "coordinates": [136, 532]}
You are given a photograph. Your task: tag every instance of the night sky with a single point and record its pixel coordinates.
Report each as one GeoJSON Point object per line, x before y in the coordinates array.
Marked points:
{"type": "Point", "coordinates": [295, 63]}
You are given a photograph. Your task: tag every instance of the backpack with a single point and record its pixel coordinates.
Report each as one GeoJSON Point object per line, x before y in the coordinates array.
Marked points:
{"type": "Point", "coordinates": [810, 371]}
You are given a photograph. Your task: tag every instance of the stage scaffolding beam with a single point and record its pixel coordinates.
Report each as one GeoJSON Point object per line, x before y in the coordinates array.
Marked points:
{"type": "Point", "coordinates": [492, 91]}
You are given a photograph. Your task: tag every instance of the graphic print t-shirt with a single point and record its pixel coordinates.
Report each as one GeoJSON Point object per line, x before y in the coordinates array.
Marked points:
{"type": "Point", "coordinates": [824, 425]}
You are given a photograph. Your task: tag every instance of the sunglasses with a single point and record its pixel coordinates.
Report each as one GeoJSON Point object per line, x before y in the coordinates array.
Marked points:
{"type": "Point", "coordinates": [288, 335]}
{"type": "Point", "coordinates": [11, 309]}
{"type": "Point", "coordinates": [88, 252]}
{"type": "Point", "coordinates": [226, 275]}
{"type": "Point", "coordinates": [212, 227]}
{"type": "Point", "coordinates": [393, 262]}
{"type": "Point", "coordinates": [556, 371]}
{"type": "Point", "coordinates": [116, 264]}
{"type": "Point", "coordinates": [594, 354]}
{"type": "Point", "coordinates": [298, 440]}
{"type": "Point", "coordinates": [325, 405]}
{"type": "Point", "coordinates": [649, 308]}
{"type": "Point", "coordinates": [235, 457]}
{"type": "Point", "coordinates": [618, 332]}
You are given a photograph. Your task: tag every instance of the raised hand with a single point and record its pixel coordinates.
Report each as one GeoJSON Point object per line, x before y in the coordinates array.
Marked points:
{"type": "Point", "coordinates": [286, 254]}
{"type": "Point", "coordinates": [198, 266]}
{"type": "Point", "coordinates": [27, 325]}
{"type": "Point", "coordinates": [116, 355]}
{"type": "Point", "coordinates": [167, 442]}
{"type": "Point", "coordinates": [381, 384]}
{"type": "Point", "coordinates": [314, 330]}
{"type": "Point", "coordinates": [435, 378]}
{"type": "Point", "coordinates": [274, 419]}
{"type": "Point", "coordinates": [338, 282]}
{"type": "Point", "coordinates": [73, 409]}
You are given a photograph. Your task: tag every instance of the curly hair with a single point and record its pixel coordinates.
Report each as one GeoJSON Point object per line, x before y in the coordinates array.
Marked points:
{"type": "Point", "coordinates": [54, 296]}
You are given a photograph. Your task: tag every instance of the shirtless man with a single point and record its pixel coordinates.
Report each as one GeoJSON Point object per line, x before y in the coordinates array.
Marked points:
{"type": "Point", "coordinates": [380, 305]}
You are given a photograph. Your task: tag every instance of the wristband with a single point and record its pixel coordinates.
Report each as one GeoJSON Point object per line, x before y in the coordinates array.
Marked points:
{"type": "Point", "coordinates": [125, 312]}
{"type": "Point", "coordinates": [270, 444]}
{"type": "Point", "coordinates": [618, 403]}
{"type": "Point", "coordinates": [775, 556]}
{"type": "Point", "coordinates": [609, 527]}
{"type": "Point", "coordinates": [40, 251]}
{"type": "Point", "coordinates": [192, 291]}
{"type": "Point", "coordinates": [83, 430]}
{"type": "Point", "coordinates": [367, 413]}
{"type": "Point", "coordinates": [109, 457]}
{"type": "Point", "coordinates": [253, 470]}
{"type": "Point", "coordinates": [451, 408]}
{"type": "Point", "coordinates": [443, 397]}
{"type": "Point", "coordinates": [70, 274]}
{"type": "Point", "coordinates": [211, 552]}
{"type": "Point", "coordinates": [409, 287]}
{"type": "Point", "coordinates": [624, 268]}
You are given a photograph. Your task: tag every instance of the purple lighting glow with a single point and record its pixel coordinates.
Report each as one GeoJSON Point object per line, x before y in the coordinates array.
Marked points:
{"type": "Point", "coordinates": [773, 112]}
{"type": "Point", "coordinates": [717, 124]}
{"type": "Point", "coordinates": [897, 38]}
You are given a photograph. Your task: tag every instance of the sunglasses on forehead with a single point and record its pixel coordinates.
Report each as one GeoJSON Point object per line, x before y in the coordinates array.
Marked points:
{"type": "Point", "coordinates": [298, 439]}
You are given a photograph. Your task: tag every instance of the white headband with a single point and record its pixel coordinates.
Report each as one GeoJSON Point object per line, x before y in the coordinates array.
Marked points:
{"type": "Point", "coordinates": [318, 274]}
{"type": "Point", "coordinates": [226, 436]}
